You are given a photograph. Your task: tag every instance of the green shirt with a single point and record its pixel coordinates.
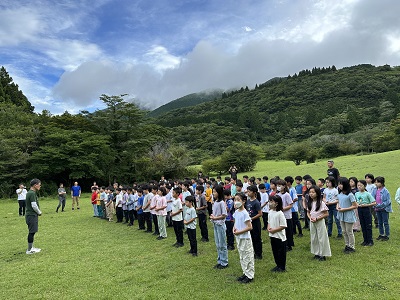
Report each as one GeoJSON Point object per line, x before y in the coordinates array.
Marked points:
{"type": "Point", "coordinates": [31, 197]}
{"type": "Point", "coordinates": [364, 198]}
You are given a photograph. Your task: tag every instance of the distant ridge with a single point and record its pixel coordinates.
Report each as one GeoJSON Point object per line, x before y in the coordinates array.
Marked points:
{"type": "Point", "coordinates": [188, 100]}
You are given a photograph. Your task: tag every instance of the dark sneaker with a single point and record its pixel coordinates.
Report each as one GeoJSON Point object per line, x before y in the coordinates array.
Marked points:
{"type": "Point", "coordinates": [247, 280]}
{"type": "Point", "coordinates": [222, 267]}
{"type": "Point", "coordinates": [322, 258]}
{"type": "Point", "coordinates": [369, 244]}
{"type": "Point", "coordinates": [274, 269]}
{"type": "Point", "coordinates": [257, 257]}
{"type": "Point", "coordinates": [385, 238]}
{"type": "Point", "coordinates": [241, 277]}
{"type": "Point", "coordinates": [364, 243]}
{"type": "Point", "coordinates": [194, 254]}
{"type": "Point", "coordinates": [300, 235]}
{"type": "Point", "coordinates": [216, 266]}
{"type": "Point", "coordinates": [316, 256]}
{"type": "Point", "coordinates": [339, 236]}
{"type": "Point", "coordinates": [379, 237]}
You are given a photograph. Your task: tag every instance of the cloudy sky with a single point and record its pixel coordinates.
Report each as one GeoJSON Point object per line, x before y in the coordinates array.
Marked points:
{"type": "Point", "coordinates": [64, 53]}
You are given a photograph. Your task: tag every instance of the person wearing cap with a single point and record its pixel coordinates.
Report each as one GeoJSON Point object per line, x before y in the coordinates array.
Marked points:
{"type": "Point", "coordinates": [333, 171]}
{"type": "Point", "coordinates": [32, 214]}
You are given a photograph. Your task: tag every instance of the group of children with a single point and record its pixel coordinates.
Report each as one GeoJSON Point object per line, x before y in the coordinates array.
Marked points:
{"type": "Point", "coordinates": [236, 209]}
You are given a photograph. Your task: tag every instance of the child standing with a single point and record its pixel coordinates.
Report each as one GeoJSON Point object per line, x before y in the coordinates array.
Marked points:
{"type": "Point", "coordinates": [176, 215]}
{"type": "Point", "coordinates": [139, 210]}
{"type": "Point", "coordinates": [276, 229]}
{"type": "Point", "coordinates": [218, 218]}
{"type": "Point", "coordinates": [130, 206]}
{"type": "Point", "coordinates": [287, 204]}
{"type": "Point", "coordinates": [346, 215]}
{"type": "Point", "coordinates": [110, 205]}
{"type": "Point", "coordinates": [383, 207]}
{"type": "Point", "coordinates": [118, 206]}
{"type": "Point", "coordinates": [208, 195]}
{"type": "Point", "coordinates": [94, 202]}
{"type": "Point", "coordinates": [153, 204]}
{"type": "Point", "coordinates": [365, 201]}
{"type": "Point", "coordinates": [331, 199]}
{"type": "Point", "coordinates": [201, 210]}
{"type": "Point", "coordinates": [146, 208]}
{"type": "Point", "coordinates": [264, 204]}
{"type": "Point", "coordinates": [229, 220]}
{"type": "Point", "coordinates": [161, 211]}
{"type": "Point", "coordinates": [241, 230]}
{"type": "Point", "coordinates": [190, 224]}
{"type": "Point", "coordinates": [317, 211]}
{"type": "Point", "coordinates": [253, 207]}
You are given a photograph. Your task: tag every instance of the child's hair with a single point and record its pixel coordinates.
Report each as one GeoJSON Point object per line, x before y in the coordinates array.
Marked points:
{"type": "Point", "coordinates": [261, 186]}
{"type": "Point", "coordinates": [119, 189]}
{"type": "Point", "coordinates": [189, 199]}
{"type": "Point", "coordinates": [253, 188]}
{"type": "Point", "coordinates": [163, 190]}
{"type": "Point", "coordinates": [177, 190]}
{"type": "Point", "coordinates": [242, 196]}
{"type": "Point", "coordinates": [332, 180]}
{"type": "Point", "coordinates": [139, 190]}
{"type": "Point", "coordinates": [94, 189]}
{"type": "Point", "coordinates": [220, 191]}
{"type": "Point", "coordinates": [278, 200]}
{"type": "Point", "coordinates": [283, 184]}
{"type": "Point", "coordinates": [129, 189]}
{"type": "Point", "coordinates": [354, 179]}
{"type": "Point", "coordinates": [318, 192]}
{"type": "Point", "coordinates": [298, 178]}
{"type": "Point", "coordinates": [363, 182]}
{"type": "Point", "coordinates": [200, 188]}
{"type": "Point", "coordinates": [186, 184]}
{"type": "Point", "coordinates": [322, 180]}
{"type": "Point", "coordinates": [369, 175]}
{"type": "Point", "coordinates": [265, 178]}
{"type": "Point", "coordinates": [289, 179]}
{"type": "Point", "coordinates": [380, 179]}
{"type": "Point", "coordinates": [227, 192]}
{"type": "Point", "coordinates": [145, 187]}
{"type": "Point", "coordinates": [239, 184]}
{"type": "Point", "coordinates": [245, 176]}
{"type": "Point", "coordinates": [306, 177]}
{"type": "Point", "coordinates": [346, 189]}
{"type": "Point", "coordinates": [227, 178]}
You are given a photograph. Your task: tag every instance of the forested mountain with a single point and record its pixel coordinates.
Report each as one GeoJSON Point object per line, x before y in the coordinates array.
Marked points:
{"type": "Point", "coordinates": [324, 104]}
{"type": "Point", "coordinates": [188, 100]}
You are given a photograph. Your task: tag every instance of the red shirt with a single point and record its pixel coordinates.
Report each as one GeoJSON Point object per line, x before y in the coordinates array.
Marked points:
{"type": "Point", "coordinates": [94, 198]}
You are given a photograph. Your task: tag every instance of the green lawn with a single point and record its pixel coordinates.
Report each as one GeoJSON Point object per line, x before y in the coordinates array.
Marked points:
{"type": "Point", "coordinates": [87, 258]}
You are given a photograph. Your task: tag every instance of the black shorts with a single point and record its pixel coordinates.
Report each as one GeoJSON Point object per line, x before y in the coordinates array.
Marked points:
{"type": "Point", "coordinates": [33, 223]}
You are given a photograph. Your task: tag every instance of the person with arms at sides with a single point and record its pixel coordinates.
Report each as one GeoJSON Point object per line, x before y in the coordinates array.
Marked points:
{"type": "Point", "coordinates": [299, 188]}
{"type": "Point", "coordinates": [161, 212]}
{"type": "Point", "coordinates": [230, 238]}
{"type": "Point", "coordinates": [346, 215]}
{"type": "Point", "coordinates": [253, 207]}
{"type": "Point", "coordinates": [201, 210]}
{"type": "Point", "coordinates": [75, 194]}
{"type": "Point", "coordinates": [146, 208]}
{"type": "Point", "coordinates": [61, 198]}
{"type": "Point", "coordinates": [370, 179]}
{"type": "Point", "coordinates": [383, 207]}
{"type": "Point", "coordinates": [241, 230]}
{"type": "Point", "coordinates": [331, 199]}
{"type": "Point", "coordinates": [332, 171]}
{"type": "Point", "coordinates": [365, 201]}
{"type": "Point", "coordinates": [264, 204]}
{"type": "Point", "coordinates": [190, 224]}
{"type": "Point", "coordinates": [32, 214]}
{"type": "Point", "coordinates": [287, 204]}
{"type": "Point", "coordinates": [218, 219]}
{"type": "Point", "coordinates": [139, 209]}
{"type": "Point", "coordinates": [21, 192]}
{"type": "Point", "coordinates": [276, 229]}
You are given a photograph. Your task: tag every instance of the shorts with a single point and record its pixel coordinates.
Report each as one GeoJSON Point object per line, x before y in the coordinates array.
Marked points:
{"type": "Point", "coordinates": [33, 223]}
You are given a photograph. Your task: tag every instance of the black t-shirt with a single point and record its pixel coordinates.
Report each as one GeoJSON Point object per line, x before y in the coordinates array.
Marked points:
{"type": "Point", "coordinates": [334, 173]}
{"type": "Point", "coordinates": [253, 207]}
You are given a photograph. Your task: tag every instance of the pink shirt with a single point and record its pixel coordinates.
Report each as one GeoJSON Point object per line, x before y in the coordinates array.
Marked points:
{"type": "Point", "coordinates": [322, 208]}
{"type": "Point", "coordinates": [378, 196]}
{"type": "Point", "coordinates": [153, 203]}
{"type": "Point", "coordinates": [161, 202]}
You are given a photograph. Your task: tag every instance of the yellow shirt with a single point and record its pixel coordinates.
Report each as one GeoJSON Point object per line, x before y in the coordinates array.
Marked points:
{"type": "Point", "coordinates": [209, 195]}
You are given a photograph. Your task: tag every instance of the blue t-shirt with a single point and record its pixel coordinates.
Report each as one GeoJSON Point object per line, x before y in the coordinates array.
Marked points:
{"type": "Point", "coordinates": [140, 203]}
{"type": "Point", "coordinates": [229, 204]}
{"type": "Point", "coordinates": [75, 190]}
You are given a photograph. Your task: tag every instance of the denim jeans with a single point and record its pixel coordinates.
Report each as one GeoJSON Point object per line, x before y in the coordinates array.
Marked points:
{"type": "Point", "coordinates": [383, 222]}
{"type": "Point", "coordinates": [220, 243]}
{"type": "Point", "coordinates": [333, 214]}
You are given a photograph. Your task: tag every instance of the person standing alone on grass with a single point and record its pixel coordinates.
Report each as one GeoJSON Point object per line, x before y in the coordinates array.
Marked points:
{"type": "Point", "coordinates": [32, 214]}
{"type": "Point", "coordinates": [75, 194]}
{"type": "Point", "coordinates": [333, 171]}
{"type": "Point", "coordinates": [21, 192]}
{"type": "Point", "coordinates": [61, 198]}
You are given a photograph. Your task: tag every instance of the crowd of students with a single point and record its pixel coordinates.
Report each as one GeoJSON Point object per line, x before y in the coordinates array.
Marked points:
{"type": "Point", "coordinates": [240, 210]}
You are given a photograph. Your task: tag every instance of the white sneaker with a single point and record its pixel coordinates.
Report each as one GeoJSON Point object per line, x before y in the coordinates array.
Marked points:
{"type": "Point", "coordinates": [37, 250]}
{"type": "Point", "coordinates": [30, 251]}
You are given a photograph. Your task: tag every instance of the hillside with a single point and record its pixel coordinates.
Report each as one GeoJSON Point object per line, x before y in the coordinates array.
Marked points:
{"type": "Point", "coordinates": [319, 102]}
{"type": "Point", "coordinates": [185, 101]}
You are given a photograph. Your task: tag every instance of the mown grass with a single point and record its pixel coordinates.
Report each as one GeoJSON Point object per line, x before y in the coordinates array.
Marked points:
{"type": "Point", "coordinates": [86, 258]}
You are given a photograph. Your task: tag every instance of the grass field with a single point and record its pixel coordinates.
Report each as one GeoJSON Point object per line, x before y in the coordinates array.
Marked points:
{"type": "Point", "coordinates": [87, 258]}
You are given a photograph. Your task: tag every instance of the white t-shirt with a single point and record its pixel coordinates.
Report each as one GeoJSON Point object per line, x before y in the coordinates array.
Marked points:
{"type": "Point", "coordinates": [240, 218]}
{"type": "Point", "coordinates": [331, 195]}
{"type": "Point", "coordinates": [176, 206]}
{"type": "Point", "coordinates": [277, 219]}
{"type": "Point", "coordinates": [264, 200]}
{"type": "Point", "coordinates": [245, 186]}
{"type": "Point", "coordinates": [21, 194]}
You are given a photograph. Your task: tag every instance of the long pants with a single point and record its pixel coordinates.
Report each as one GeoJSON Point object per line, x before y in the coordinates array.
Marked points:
{"type": "Point", "coordinates": [265, 220]}
{"type": "Point", "coordinates": [61, 203]}
{"type": "Point", "coordinates": [301, 208]}
{"type": "Point", "coordinates": [147, 218]}
{"type": "Point", "coordinates": [296, 223]}
{"type": "Point", "coordinates": [169, 219]}
{"type": "Point", "coordinates": [120, 214]}
{"type": "Point", "coordinates": [289, 233]}
{"type": "Point", "coordinates": [230, 238]}
{"type": "Point", "coordinates": [383, 222]}
{"type": "Point", "coordinates": [246, 255]}
{"type": "Point", "coordinates": [140, 218]}
{"type": "Point", "coordinates": [22, 206]}
{"type": "Point", "coordinates": [131, 216]}
{"type": "Point", "coordinates": [348, 234]}
{"type": "Point", "coordinates": [256, 237]}
{"type": "Point", "coordinates": [356, 224]}
{"type": "Point", "coordinates": [209, 208]}
{"type": "Point", "coordinates": [75, 199]}
{"type": "Point", "coordinates": [178, 229]}
{"type": "Point", "coordinates": [110, 211]}
{"type": "Point", "coordinates": [279, 251]}
{"type": "Point", "coordinates": [99, 211]}
{"type": "Point", "coordinates": [95, 211]}
{"type": "Point", "coordinates": [333, 214]}
{"type": "Point", "coordinates": [203, 226]}
{"type": "Point", "coordinates": [319, 239]}
{"type": "Point", "coordinates": [220, 243]}
{"type": "Point", "coordinates": [156, 229]}
{"type": "Point", "coordinates": [162, 226]}
{"type": "Point", "coordinates": [126, 216]}
{"type": "Point", "coordinates": [373, 212]}
{"type": "Point", "coordinates": [192, 239]}
{"type": "Point", "coordinates": [364, 213]}
{"type": "Point", "coordinates": [103, 209]}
